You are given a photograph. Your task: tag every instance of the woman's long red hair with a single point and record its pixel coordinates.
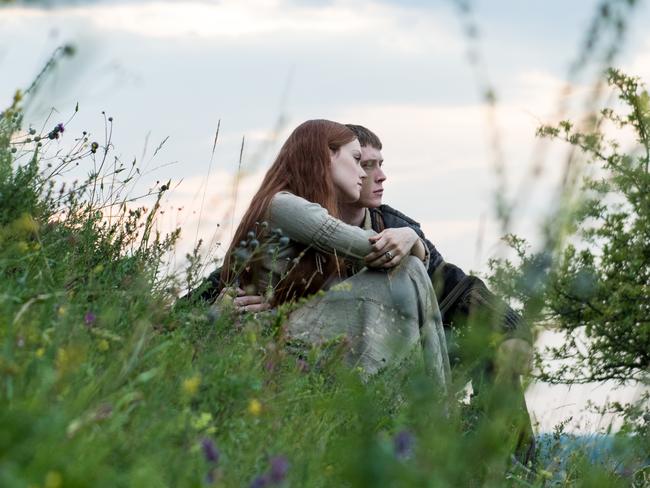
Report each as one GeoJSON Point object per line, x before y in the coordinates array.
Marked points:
{"type": "Point", "coordinates": [303, 167]}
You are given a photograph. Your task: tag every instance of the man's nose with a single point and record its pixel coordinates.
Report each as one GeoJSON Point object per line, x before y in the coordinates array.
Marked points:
{"type": "Point", "coordinates": [381, 176]}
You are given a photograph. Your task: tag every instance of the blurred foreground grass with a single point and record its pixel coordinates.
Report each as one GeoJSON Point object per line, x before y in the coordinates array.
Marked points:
{"type": "Point", "coordinates": [104, 382]}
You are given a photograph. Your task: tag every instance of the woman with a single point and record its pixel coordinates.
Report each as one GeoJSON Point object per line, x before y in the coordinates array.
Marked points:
{"type": "Point", "coordinates": [384, 315]}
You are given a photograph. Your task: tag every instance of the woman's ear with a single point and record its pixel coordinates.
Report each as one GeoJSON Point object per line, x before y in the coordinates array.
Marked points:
{"type": "Point", "coordinates": [333, 154]}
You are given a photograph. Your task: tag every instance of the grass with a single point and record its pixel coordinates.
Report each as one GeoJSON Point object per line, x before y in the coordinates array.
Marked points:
{"type": "Point", "coordinates": [107, 380]}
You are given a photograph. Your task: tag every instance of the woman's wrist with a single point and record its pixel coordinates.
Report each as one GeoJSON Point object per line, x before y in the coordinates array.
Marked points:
{"type": "Point", "coordinates": [418, 249]}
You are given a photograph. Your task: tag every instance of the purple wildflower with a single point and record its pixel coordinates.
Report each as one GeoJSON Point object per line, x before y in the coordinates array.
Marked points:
{"type": "Point", "coordinates": [90, 319]}
{"type": "Point", "coordinates": [58, 129]}
{"type": "Point", "coordinates": [279, 468]}
{"type": "Point", "coordinates": [210, 451]}
{"type": "Point", "coordinates": [403, 444]}
{"type": "Point", "coordinates": [262, 481]}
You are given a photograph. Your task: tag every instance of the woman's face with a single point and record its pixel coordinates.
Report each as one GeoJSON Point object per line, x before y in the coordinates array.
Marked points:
{"type": "Point", "coordinates": [347, 172]}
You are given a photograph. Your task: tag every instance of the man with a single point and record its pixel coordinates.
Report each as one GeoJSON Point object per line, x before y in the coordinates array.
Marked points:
{"type": "Point", "coordinates": [464, 301]}
{"type": "Point", "coordinates": [458, 294]}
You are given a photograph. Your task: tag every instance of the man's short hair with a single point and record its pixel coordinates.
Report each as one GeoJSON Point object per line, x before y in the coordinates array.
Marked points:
{"type": "Point", "coordinates": [366, 136]}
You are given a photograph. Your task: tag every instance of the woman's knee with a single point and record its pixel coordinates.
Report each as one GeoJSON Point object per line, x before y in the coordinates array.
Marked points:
{"type": "Point", "coordinates": [412, 269]}
{"type": "Point", "coordinates": [413, 266]}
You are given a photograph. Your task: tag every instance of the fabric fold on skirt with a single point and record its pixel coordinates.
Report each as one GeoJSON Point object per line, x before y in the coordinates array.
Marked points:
{"type": "Point", "coordinates": [384, 315]}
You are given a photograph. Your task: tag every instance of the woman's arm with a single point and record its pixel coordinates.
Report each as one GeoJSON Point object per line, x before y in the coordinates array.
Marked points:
{"type": "Point", "coordinates": [310, 224]}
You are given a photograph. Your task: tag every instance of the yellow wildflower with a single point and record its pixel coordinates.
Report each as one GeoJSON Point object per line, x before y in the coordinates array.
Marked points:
{"type": "Point", "coordinates": [202, 421]}
{"type": "Point", "coordinates": [62, 359]}
{"type": "Point", "coordinates": [53, 479]}
{"type": "Point", "coordinates": [103, 345]}
{"type": "Point", "coordinates": [68, 358]}
{"type": "Point", "coordinates": [61, 311]}
{"type": "Point", "coordinates": [191, 385]}
{"type": "Point", "coordinates": [40, 352]}
{"type": "Point", "coordinates": [254, 407]}
{"type": "Point", "coordinates": [25, 225]}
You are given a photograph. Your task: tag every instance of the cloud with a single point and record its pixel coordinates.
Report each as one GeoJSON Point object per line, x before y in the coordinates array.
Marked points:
{"type": "Point", "coordinates": [254, 19]}
{"type": "Point", "coordinates": [201, 61]}
{"type": "Point", "coordinates": [208, 209]}
{"type": "Point", "coordinates": [639, 64]}
{"type": "Point", "coordinates": [440, 166]}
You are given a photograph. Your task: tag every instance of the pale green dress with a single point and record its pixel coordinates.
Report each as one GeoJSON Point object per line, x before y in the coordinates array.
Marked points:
{"type": "Point", "coordinates": [385, 315]}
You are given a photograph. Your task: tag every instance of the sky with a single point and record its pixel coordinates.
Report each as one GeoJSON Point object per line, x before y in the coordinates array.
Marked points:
{"type": "Point", "coordinates": [258, 68]}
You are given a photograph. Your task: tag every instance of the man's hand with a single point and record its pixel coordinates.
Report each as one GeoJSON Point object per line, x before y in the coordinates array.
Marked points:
{"type": "Point", "coordinates": [242, 302]}
{"type": "Point", "coordinates": [390, 246]}
{"type": "Point", "coordinates": [251, 303]}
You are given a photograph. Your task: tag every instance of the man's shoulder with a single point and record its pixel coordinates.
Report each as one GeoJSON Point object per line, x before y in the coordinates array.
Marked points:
{"type": "Point", "coordinates": [386, 217]}
{"type": "Point", "coordinates": [389, 212]}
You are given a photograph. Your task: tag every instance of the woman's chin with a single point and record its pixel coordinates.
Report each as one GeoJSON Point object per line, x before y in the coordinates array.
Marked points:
{"type": "Point", "coordinates": [350, 198]}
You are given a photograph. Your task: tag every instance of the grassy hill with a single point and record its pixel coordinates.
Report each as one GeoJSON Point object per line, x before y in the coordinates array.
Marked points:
{"type": "Point", "coordinates": [107, 380]}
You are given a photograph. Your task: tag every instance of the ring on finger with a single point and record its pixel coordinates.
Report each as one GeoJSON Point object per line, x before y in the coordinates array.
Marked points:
{"type": "Point", "coordinates": [389, 255]}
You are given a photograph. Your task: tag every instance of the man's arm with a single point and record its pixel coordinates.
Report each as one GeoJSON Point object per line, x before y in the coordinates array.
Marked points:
{"type": "Point", "coordinates": [397, 219]}
{"type": "Point", "coordinates": [210, 290]}
{"type": "Point", "coordinates": [207, 291]}
{"type": "Point", "coordinates": [465, 299]}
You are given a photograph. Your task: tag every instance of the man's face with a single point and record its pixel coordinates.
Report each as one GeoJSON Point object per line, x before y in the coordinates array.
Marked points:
{"type": "Point", "coordinates": [372, 189]}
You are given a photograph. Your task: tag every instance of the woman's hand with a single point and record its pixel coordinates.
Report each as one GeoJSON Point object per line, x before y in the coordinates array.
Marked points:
{"type": "Point", "coordinates": [390, 246]}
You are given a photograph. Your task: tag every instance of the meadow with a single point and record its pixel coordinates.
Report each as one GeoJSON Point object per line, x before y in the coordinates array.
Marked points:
{"type": "Point", "coordinates": [107, 379]}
